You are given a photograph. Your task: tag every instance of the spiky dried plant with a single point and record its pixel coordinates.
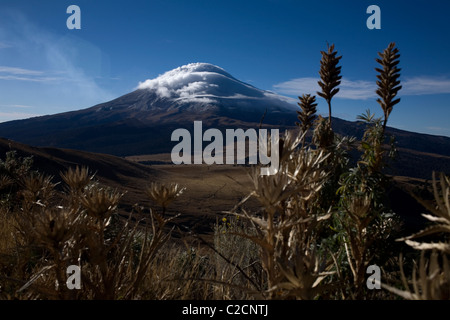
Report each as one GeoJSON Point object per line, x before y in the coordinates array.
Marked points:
{"type": "Point", "coordinates": [77, 179]}
{"type": "Point", "coordinates": [330, 75]}
{"type": "Point", "coordinates": [358, 238]}
{"type": "Point", "coordinates": [53, 228]}
{"type": "Point", "coordinates": [37, 188]}
{"type": "Point", "coordinates": [388, 80]}
{"type": "Point", "coordinates": [286, 228]}
{"type": "Point", "coordinates": [100, 203]}
{"type": "Point", "coordinates": [308, 113]}
{"type": "Point", "coordinates": [431, 279]}
{"type": "Point", "coordinates": [440, 217]}
{"type": "Point", "coordinates": [164, 195]}
{"type": "Point", "coordinates": [80, 226]}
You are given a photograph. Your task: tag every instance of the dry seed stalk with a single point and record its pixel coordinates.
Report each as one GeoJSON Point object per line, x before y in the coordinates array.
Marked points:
{"type": "Point", "coordinates": [330, 76]}
{"type": "Point", "coordinates": [308, 113]}
{"type": "Point", "coordinates": [388, 80]}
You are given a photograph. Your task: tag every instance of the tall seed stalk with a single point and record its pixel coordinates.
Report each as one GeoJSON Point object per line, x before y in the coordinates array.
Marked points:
{"type": "Point", "coordinates": [308, 112]}
{"type": "Point", "coordinates": [330, 76]}
{"type": "Point", "coordinates": [388, 80]}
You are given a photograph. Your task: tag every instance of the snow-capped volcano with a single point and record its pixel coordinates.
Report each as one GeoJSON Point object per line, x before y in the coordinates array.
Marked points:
{"type": "Point", "coordinates": [209, 86]}
{"type": "Point", "coordinates": [142, 121]}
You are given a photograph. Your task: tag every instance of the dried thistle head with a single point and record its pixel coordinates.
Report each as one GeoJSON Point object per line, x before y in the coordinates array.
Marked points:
{"type": "Point", "coordinates": [53, 228]}
{"type": "Point", "coordinates": [388, 79]}
{"type": "Point", "coordinates": [307, 172]}
{"type": "Point", "coordinates": [300, 173]}
{"type": "Point", "coordinates": [163, 194]}
{"type": "Point", "coordinates": [330, 75]}
{"type": "Point", "coordinates": [271, 190]}
{"type": "Point", "coordinates": [308, 113]}
{"type": "Point", "coordinates": [77, 179]}
{"type": "Point", "coordinates": [288, 145]}
{"type": "Point", "coordinates": [37, 187]}
{"type": "Point", "coordinates": [100, 203]}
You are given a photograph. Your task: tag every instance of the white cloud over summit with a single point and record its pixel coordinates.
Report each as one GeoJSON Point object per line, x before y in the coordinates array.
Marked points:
{"type": "Point", "coordinates": [204, 82]}
{"type": "Point", "coordinates": [187, 82]}
{"type": "Point", "coordinates": [209, 84]}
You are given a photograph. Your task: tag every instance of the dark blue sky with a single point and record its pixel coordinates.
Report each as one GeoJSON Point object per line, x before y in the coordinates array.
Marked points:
{"type": "Point", "coordinates": [274, 45]}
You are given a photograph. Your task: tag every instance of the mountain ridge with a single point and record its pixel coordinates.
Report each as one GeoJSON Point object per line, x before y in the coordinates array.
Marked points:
{"type": "Point", "coordinates": [141, 122]}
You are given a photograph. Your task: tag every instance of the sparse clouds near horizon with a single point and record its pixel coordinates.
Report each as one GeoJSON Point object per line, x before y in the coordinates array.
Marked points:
{"type": "Point", "coordinates": [418, 86]}
{"type": "Point", "coordinates": [363, 90]}
{"type": "Point", "coordinates": [354, 90]}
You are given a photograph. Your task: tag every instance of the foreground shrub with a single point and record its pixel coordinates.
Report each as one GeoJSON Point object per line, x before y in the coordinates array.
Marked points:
{"type": "Point", "coordinates": [78, 226]}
